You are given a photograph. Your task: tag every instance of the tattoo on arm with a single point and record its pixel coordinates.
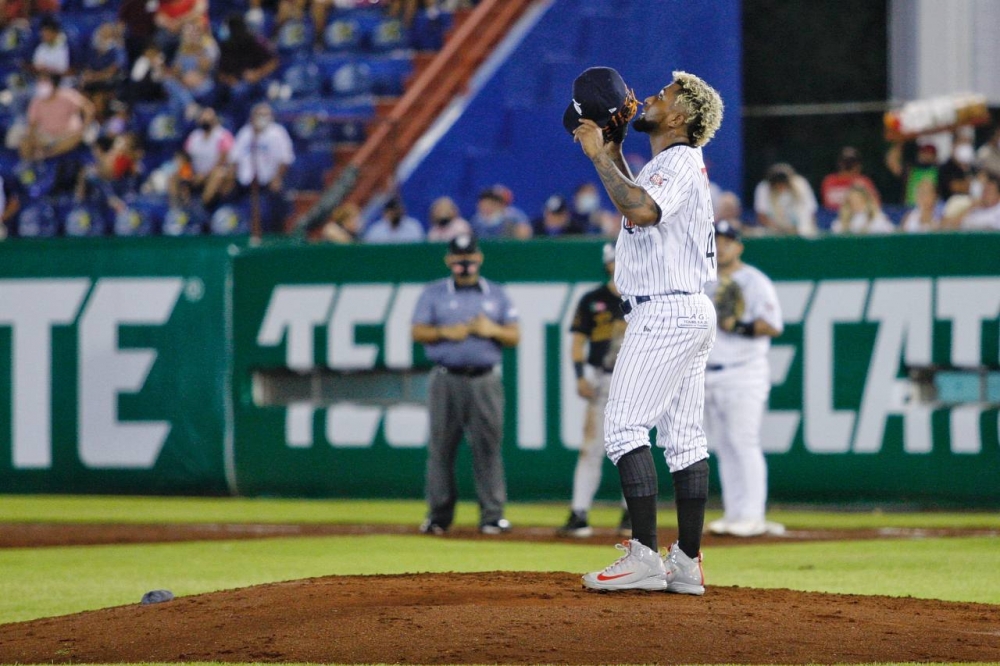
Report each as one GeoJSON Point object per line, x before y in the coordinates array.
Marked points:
{"type": "Point", "coordinates": [631, 200]}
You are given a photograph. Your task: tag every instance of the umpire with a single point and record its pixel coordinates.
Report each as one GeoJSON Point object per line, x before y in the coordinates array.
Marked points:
{"type": "Point", "coordinates": [464, 322]}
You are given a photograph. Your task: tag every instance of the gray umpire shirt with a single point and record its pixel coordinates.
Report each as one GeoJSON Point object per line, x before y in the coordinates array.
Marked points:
{"type": "Point", "coordinates": [442, 304]}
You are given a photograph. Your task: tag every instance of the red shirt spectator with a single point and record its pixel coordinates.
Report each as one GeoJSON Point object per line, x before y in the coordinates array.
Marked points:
{"type": "Point", "coordinates": [835, 186]}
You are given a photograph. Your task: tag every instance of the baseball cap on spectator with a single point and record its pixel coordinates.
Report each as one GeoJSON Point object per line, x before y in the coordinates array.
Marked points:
{"type": "Point", "coordinates": [727, 229]}
{"type": "Point", "coordinates": [463, 244]}
{"type": "Point", "coordinates": [556, 204]}
{"type": "Point", "coordinates": [608, 253]}
{"type": "Point", "coordinates": [491, 194]}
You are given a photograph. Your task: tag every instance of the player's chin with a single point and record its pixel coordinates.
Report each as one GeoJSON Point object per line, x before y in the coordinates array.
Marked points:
{"type": "Point", "coordinates": [643, 125]}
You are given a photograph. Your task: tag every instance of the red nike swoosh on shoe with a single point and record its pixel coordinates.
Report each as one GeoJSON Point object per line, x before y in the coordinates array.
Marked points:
{"type": "Point", "coordinates": [602, 577]}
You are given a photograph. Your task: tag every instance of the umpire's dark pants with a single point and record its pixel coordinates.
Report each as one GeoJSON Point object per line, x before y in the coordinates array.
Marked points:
{"type": "Point", "coordinates": [473, 405]}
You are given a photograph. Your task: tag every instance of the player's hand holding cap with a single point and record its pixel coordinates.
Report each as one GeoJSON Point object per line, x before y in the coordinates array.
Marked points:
{"type": "Point", "coordinates": [600, 94]}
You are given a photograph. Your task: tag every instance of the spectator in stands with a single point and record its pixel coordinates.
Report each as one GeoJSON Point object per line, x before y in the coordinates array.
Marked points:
{"type": "Point", "coordinates": [178, 174]}
{"type": "Point", "coordinates": [105, 67]}
{"type": "Point", "coordinates": [150, 80]}
{"type": "Point", "coordinates": [52, 53]}
{"type": "Point", "coordinates": [57, 118]}
{"type": "Point", "coordinates": [136, 18]}
{"type": "Point", "coordinates": [784, 202]}
{"type": "Point", "coordinates": [555, 220]}
{"type": "Point", "coordinates": [395, 226]}
{"type": "Point", "coordinates": [988, 155]}
{"type": "Point", "coordinates": [115, 171]}
{"type": "Point", "coordinates": [729, 208]}
{"type": "Point", "coordinates": [912, 172]}
{"type": "Point", "coordinates": [984, 215]}
{"type": "Point", "coordinates": [245, 61]}
{"type": "Point", "coordinates": [170, 19]}
{"type": "Point", "coordinates": [955, 175]}
{"type": "Point", "coordinates": [194, 64]}
{"type": "Point", "coordinates": [343, 225]}
{"type": "Point", "coordinates": [609, 223]}
{"type": "Point", "coordinates": [587, 210]}
{"type": "Point", "coordinates": [926, 216]}
{"type": "Point", "coordinates": [208, 146]}
{"type": "Point", "coordinates": [834, 188]}
{"type": "Point", "coordinates": [861, 214]}
{"type": "Point", "coordinates": [10, 204]}
{"type": "Point", "coordinates": [495, 219]}
{"type": "Point", "coordinates": [261, 155]}
{"type": "Point", "coordinates": [445, 221]}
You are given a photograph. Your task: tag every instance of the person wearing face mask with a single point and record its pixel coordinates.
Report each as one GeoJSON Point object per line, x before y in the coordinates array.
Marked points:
{"type": "Point", "coordinates": [586, 210]}
{"type": "Point", "coordinates": [955, 175]}
{"type": "Point", "coordinates": [464, 322]}
{"type": "Point", "coordinates": [446, 222]}
{"type": "Point", "coordinates": [208, 147]}
{"type": "Point", "coordinates": [395, 226]}
{"type": "Point", "coordinates": [57, 118]}
{"type": "Point", "coordinates": [261, 154]}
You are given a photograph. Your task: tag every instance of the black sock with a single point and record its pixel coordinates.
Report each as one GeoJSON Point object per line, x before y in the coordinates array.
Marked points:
{"type": "Point", "coordinates": [691, 495]}
{"type": "Point", "coordinates": [638, 475]}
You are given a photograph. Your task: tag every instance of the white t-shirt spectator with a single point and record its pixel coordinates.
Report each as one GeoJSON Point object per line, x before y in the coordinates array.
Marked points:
{"type": "Point", "coordinates": [261, 155]}
{"type": "Point", "coordinates": [206, 148]}
{"type": "Point", "coordinates": [794, 208]}
{"type": "Point", "coordinates": [52, 57]}
{"type": "Point", "coordinates": [983, 219]}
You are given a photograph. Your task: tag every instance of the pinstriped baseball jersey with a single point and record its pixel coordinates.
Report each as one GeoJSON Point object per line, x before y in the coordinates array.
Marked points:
{"type": "Point", "coordinates": [677, 255]}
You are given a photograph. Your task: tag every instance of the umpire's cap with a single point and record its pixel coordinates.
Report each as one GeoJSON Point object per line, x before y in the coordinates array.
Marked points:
{"type": "Point", "coordinates": [598, 94]}
{"type": "Point", "coordinates": [727, 229]}
{"type": "Point", "coordinates": [463, 244]}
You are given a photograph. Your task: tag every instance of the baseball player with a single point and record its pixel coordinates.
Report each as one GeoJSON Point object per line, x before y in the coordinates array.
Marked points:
{"type": "Point", "coordinates": [598, 326]}
{"type": "Point", "coordinates": [665, 255]}
{"type": "Point", "coordinates": [737, 384]}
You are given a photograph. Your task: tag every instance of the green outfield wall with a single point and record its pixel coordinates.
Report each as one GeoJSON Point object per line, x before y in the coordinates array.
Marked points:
{"type": "Point", "coordinates": [197, 366]}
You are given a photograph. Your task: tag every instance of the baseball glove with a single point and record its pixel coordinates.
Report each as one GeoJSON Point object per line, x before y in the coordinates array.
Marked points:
{"type": "Point", "coordinates": [617, 127]}
{"type": "Point", "coordinates": [729, 303]}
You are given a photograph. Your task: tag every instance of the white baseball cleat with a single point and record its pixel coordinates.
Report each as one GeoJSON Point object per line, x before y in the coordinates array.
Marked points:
{"type": "Point", "coordinates": [639, 568]}
{"type": "Point", "coordinates": [684, 574]}
{"type": "Point", "coordinates": [718, 527]}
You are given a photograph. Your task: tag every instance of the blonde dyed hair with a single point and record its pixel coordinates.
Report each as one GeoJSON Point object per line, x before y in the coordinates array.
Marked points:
{"type": "Point", "coordinates": [703, 106]}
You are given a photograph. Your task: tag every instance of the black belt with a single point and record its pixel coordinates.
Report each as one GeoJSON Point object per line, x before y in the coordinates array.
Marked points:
{"type": "Point", "coordinates": [468, 370]}
{"type": "Point", "coordinates": [627, 305]}
{"type": "Point", "coordinates": [716, 368]}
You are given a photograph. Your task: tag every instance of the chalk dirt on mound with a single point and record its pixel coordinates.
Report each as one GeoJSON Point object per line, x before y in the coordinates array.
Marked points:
{"type": "Point", "coordinates": [505, 617]}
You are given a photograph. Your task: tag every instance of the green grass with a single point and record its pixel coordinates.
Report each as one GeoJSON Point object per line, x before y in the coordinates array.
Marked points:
{"type": "Point", "coordinates": [69, 508]}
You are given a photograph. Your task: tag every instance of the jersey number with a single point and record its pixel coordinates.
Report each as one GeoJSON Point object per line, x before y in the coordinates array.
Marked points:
{"type": "Point", "coordinates": [710, 252]}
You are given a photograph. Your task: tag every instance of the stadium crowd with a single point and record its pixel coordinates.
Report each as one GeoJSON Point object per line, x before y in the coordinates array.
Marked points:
{"type": "Point", "coordinates": [176, 117]}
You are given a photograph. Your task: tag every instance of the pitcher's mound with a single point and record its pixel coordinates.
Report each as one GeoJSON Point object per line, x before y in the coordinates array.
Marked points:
{"type": "Point", "coordinates": [510, 617]}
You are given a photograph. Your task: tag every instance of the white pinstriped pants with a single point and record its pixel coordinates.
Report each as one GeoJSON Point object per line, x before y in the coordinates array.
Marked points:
{"type": "Point", "coordinates": [659, 380]}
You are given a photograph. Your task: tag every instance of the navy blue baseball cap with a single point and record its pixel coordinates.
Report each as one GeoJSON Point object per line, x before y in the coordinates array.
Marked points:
{"type": "Point", "coordinates": [598, 93]}
{"type": "Point", "coordinates": [463, 244]}
{"type": "Point", "coordinates": [727, 229]}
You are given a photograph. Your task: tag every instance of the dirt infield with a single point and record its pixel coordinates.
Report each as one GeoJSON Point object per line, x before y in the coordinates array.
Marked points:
{"type": "Point", "coordinates": [35, 535]}
{"type": "Point", "coordinates": [497, 617]}
{"type": "Point", "coordinates": [504, 617]}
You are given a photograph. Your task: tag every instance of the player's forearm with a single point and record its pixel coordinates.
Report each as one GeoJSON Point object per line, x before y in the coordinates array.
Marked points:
{"type": "Point", "coordinates": [631, 200]}
{"type": "Point", "coordinates": [508, 335]}
{"type": "Point", "coordinates": [425, 334]}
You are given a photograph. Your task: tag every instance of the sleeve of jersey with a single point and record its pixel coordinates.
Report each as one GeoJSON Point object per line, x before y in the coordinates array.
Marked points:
{"type": "Point", "coordinates": [670, 185]}
{"type": "Point", "coordinates": [423, 313]}
{"type": "Point", "coordinates": [510, 314]}
{"type": "Point", "coordinates": [766, 304]}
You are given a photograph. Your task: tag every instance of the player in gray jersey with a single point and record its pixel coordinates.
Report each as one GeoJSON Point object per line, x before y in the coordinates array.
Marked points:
{"type": "Point", "coordinates": [665, 255]}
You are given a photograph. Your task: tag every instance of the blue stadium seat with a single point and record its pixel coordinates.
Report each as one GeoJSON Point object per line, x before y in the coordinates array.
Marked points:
{"type": "Point", "coordinates": [388, 34]}
{"type": "Point", "coordinates": [388, 75]}
{"type": "Point", "coordinates": [344, 33]}
{"type": "Point", "coordinates": [294, 38]}
{"type": "Point", "coordinates": [36, 178]}
{"type": "Point", "coordinates": [262, 23]}
{"type": "Point", "coordinates": [825, 219]}
{"type": "Point", "coordinates": [230, 220]}
{"type": "Point", "coordinates": [303, 78]}
{"type": "Point", "coordinates": [84, 220]}
{"type": "Point", "coordinates": [189, 221]}
{"type": "Point", "coordinates": [38, 220]}
{"type": "Point", "coordinates": [141, 217]}
{"type": "Point", "coordinates": [312, 161]}
{"type": "Point", "coordinates": [16, 43]}
{"type": "Point", "coordinates": [345, 77]}
{"type": "Point", "coordinates": [70, 7]}
{"type": "Point", "coordinates": [428, 30]}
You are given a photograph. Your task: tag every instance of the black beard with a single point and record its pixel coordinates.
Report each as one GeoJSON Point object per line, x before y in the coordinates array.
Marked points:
{"type": "Point", "coordinates": [640, 124]}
